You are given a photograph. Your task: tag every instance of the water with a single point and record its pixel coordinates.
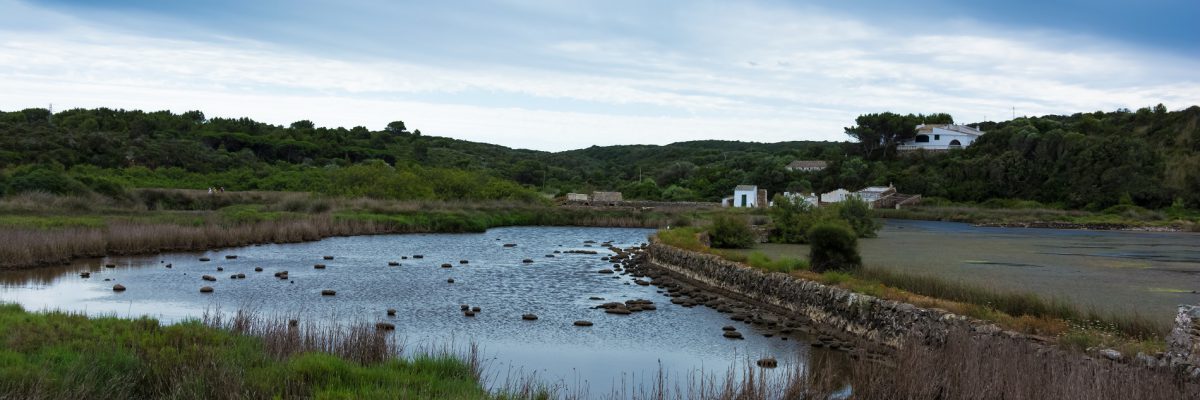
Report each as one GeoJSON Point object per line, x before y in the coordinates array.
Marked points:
{"type": "Point", "coordinates": [618, 350]}
{"type": "Point", "coordinates": [1110, 271]}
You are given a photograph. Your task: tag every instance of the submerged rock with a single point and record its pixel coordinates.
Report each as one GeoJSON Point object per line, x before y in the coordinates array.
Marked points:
{"type": "Point", "coordinates": [258, 269]}
{"type": "Point", "coordinates": [463, 262]}
{"type": "Point", "coordinates": [328, 292]}
{"type": "Point", "coordinates": [583, 323]}
{"type": "Point", "coordinates": [391, 312]}
{"type": "Point", "coordinates": [327, 257]}
{"type": "Point", "coordinates": [529, 317]}
{"type": "Point", "coordinates": [527, 261]}
{"type": "Point", "coordinates": [510, 245]}
{"type": "Point", "coordinates": [446, 265]}
{"type": "Point", "coordinates": [319, 266]}
{"type": "Point", "coordinates": [393, 264]}
{"type": "Point", "coordinates": [733, 335]}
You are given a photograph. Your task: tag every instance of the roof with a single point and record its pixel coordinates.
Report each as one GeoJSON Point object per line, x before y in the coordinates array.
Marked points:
{"type": "Point", "coordinates": [746, 187]}
{"type": "Point", "coordinates": [876, 189]}
{"type": "Point", "coordinates": [807, 164]}
{"type": "Point", "coordinates": [950, 127]}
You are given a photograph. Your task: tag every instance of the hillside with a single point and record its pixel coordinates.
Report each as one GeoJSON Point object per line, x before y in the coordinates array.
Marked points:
{"type": "Point", "coordinates": [1149, 158]}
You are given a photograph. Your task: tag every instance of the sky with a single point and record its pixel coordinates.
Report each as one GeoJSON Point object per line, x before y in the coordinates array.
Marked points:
{"type": "Point", "coordinates": [561, 75]}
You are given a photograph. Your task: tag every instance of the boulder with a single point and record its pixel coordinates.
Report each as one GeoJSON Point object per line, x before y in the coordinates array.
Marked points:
{"type": "Point", "coordinates": [451, 280]}
{"type": "Point", "coordinates": [464, 307]}
{"type": "Point", "coordinates": [391, 312]}
{"type": "Point", "coordinates": [319, 266]}
{"type": "Point", "coordinates": [527, 261]}
{"type": "Point", "coordinates": [1110, 354]}
{"type": "Point", "coordinates": [258, 269]}
{"type": "Point", "coordinates": [327, 257]}
{"type": "Point", "coordinates": [203, 258]}
{"type": "Point", "coordinates": [206, 289]}
{"type": "Point", "coordinates": [209, 278]}
{"type": "Point", "coordinates": [463, 262]}
{"type": "Point", "coordinates": [446, 265]}
{"type": "Point", "coordinates": [733, 335]}
{"type": "Point", "coordinates": [118, 288]}
{"type": "Point", "coordinates": [241, 276]}
{"type": "Point", "coordinates": [529, 317]}
{"type": "Point", "coordinates": [618, 311]}
{"type": "Point", "coordinates": [468, 313]}
{"type": "Point", "coordinates": [220, 269]}
{"type": "Point", "coordinates": [583, 323]}
{"type": "Point", "coordinates": [476, 309]}
{"type": "Point", "coordinates": [328, 292]}
{"type": "Point", "coordinates": [605, 271]}
{"type": "Point", "coordinates": [728, 328]}
{"type": "Point", "coordinates": [393, 264]}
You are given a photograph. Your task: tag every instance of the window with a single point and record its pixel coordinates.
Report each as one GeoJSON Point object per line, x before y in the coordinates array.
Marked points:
{"type": "Point", "coordinates": [922, 138]}
{"type": "Point", "coordinates": [937, 137]}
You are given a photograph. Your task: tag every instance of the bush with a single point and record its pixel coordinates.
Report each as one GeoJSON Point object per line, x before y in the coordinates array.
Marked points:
{"type": "Point", "coordinates": [792, 219]}
{"type": "Point", "coordinates": [833, 247]}
{"type": "Point", "coordinates": [731, 233]}
{"type": "Point", "coordinates": [856, 213]}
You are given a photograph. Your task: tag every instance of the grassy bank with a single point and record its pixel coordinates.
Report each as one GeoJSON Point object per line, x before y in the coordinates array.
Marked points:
{"type": "Point", "coordinates": [1023, 312]}
{"type": "Point", "coordinates": [60, 355]}
{"type": "Point", "coordinates": [41, 229]}
{"type": "Point", "coordinates": [1035, 214]}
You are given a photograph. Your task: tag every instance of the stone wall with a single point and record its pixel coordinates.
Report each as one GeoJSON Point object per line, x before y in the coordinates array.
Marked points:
{"type": "Point", "coordinates": [880, 321]}
{"type": "Point", "coordinates": [1183, 345]}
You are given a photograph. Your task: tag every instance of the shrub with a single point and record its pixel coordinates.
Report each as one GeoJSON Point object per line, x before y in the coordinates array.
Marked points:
{"type": "Point", "coordinates": [792, 219]}
{"type": "Point", "coordinates": [833, 247]}
{"type": "Point", "coordinates": [856, 213]}
{"type": "Point", "coordinates": [731, 233]}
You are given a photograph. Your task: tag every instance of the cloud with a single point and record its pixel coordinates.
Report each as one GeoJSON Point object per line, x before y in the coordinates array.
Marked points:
{"type": "Point", "coordinates": [761, 74]}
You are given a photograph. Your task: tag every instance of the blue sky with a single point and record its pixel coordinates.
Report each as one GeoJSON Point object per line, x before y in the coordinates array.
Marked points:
{"type": "Point", "coordinates": [570, 74]}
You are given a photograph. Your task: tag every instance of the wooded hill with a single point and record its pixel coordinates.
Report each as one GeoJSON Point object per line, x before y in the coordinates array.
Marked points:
{"type": "Point", "coordinates": [1150, 158]}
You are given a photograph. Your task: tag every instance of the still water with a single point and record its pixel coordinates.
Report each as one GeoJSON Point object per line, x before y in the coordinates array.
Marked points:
{"type": "Point", "coordinates": [618, 350]}
{"type": "Point", "coordinates": [1148, 273]}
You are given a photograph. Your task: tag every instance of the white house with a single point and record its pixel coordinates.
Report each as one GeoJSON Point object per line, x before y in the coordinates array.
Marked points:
{"type": "Point", "coordinates": [806, 165]}
{"type": "Point", "coordinates": [836, 196]}
{"type": "Point", "coordinates": [872, 194]}
{"type": "Point", "coordinates": [745, 196]}
{"type": "Point", "coordinates": [810, 198]}
{"type": "Point", "coordinates": [941, 137]}
{"type": "Point", "coordinates": [577, 197]}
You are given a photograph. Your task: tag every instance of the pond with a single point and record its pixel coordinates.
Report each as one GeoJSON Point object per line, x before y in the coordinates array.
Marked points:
{"type": "Point", "coordinates": [1149, 273]}
{"type": "Point", "coordinates": [618, 350]}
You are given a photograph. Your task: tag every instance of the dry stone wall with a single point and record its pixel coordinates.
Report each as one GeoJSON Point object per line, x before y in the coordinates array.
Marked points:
{"type": "Point", "coordinates": [1183, 345]}
{"type": "Point", "coordinates": [880, 321]}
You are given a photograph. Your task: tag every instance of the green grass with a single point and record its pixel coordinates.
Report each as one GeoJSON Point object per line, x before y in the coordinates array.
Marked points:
{"type": "Point", "coordinates": [761, 261]}
{"type": "Point", "coordinates": [60, 355]}
{"type": "Point", "coordinates": [51, 222]}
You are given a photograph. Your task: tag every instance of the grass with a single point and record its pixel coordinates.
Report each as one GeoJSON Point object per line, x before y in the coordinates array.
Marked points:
{"type": "Point", "coordinates": [1026, 213]}
{"type": "Point", "coordinates": [62, 355]}
{"type": "Point", "coordinates": [40, 229]}
{"type": "Point", "coordinates": [1022, 312]}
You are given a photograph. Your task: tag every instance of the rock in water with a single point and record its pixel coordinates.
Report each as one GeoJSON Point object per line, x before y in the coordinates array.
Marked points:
{"type": "Point", "coordinates": [583, 323]}
{"type": "Point", "coordinates": [529, 317]}
{"type": "Point", "coordinates": [328, 292]}
{"type": "Point", "coordinates": [768, 362]}
{"type": "Point", "coordinates": [206, 289]}
{"type": "Point", "coordinates": [118, 288]}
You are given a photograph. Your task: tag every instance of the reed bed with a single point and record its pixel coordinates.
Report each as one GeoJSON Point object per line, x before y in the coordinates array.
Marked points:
{"type": "Point", "coordinates": [983, 368]}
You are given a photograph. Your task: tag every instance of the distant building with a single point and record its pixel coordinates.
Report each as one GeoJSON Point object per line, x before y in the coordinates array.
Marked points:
{"type": "Point", "coordinates": [745, 196]}
{"type": "Point", "coordinates": [941, 137]}
{"type": "Point", "coordinates": [807, 165]}
{"type": "Point", "coordinates": [577, 197]}
{"type": "Point", "coordinates": [873, 194]}
{"type": "Point", "coordinates": [606, 197]}
{"type": "Point", "coordinates": [810, 198]}
{"type": "Point", "coordinates": [836, 196]}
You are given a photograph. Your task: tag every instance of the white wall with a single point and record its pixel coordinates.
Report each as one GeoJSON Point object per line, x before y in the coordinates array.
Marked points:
{"type": "Point", "coordinates": [751, 198]}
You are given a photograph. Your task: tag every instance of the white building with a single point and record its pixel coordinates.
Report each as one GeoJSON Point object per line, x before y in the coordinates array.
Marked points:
{"type": "Point", "coordinates": [836, 196]}
{"type": "Point", "coordinates": [872, 194]}
{"type": "Point", "coordinates": [807, 165]}
{"type": "Point", "coordinates": [745, 196]}
{"type": "Point", "coordinates": [941, 137]}
{"type": "Point", "coordinates": [810, 198]}
{"type": "Point", "coordinates": [577, 197]}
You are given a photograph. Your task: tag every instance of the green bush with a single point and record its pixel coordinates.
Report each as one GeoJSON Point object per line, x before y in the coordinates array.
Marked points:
{"type": "Point", "coordinates": [783, 264]}
{"type": "Point", "coordinates": [729, 232]}
{"type": "Point", "coordinates": [792, 219]}
{"type": "Point", "coordinates": [858, 214]}
{"type": "Point", "coordinates": [833, 247]}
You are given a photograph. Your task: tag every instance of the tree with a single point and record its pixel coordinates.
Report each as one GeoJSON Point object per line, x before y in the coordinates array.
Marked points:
{"type": "Point", "coordinates": [857, 215]}
{"type": "Point", "coordinates": [833, 247]}
{"type": "Point", "coordinates": [396, 128]}
{"type": "Point", "coordinates": [791, 219]}
{"type": "Point", "coordinates": [303, 124]}
{"type": "Point", "coordinates": [878, 134]}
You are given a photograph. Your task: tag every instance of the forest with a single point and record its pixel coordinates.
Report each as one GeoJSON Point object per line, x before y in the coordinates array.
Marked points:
{"type": "Point", "coordinates": [1148, 158]}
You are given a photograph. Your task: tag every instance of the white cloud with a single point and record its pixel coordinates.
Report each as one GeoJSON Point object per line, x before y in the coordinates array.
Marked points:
{"type": "Point", "coordinates": [762, 74]}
